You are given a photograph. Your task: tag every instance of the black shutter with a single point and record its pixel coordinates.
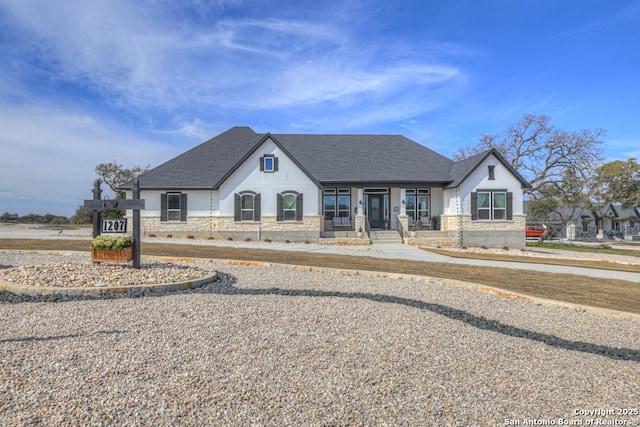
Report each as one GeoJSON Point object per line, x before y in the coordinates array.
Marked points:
{"type": "Point", "coordinates": [237, 209]}
{"type": "Point", "coordinates": [163, 207]}
{"type": "Point", "coordinates": [275, 164]}
{"type": "Point", "coordinates": [474, 205]}
{"type": "Point", "coordinates": [256, 207]}
{"type": "Point", "coordinates": [262, 164]}
{"type": "Point", "coordinates": [280, 213]}
{"type": "Point", "coordinates": [183, 207]}
{"type": "Point", "coordinates": [299, 207]}
{"type": "Point", "coordinates": [509, 206]}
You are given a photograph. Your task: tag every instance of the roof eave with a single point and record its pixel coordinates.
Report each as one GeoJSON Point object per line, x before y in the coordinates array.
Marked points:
{"type": "Point", "coordinates": [256, 146]}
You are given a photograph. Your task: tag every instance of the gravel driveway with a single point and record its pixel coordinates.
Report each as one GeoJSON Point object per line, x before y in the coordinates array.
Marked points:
{"type": "Point", "coordinates": [278, 346]}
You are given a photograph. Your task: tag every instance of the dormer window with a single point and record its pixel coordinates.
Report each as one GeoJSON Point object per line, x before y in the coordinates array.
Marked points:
{"type": "Point", "coordinates": [492, 174]}
{"type": "Point", "coordinates": [268, 163]}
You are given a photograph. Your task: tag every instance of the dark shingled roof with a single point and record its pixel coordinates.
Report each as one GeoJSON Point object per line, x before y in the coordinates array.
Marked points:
{"type": "Point", "coordinates": [366, 158]}
{"type": "Point", "coordinates": [203, 165]}
{"type": "Point", "coordinates": [326, 159]}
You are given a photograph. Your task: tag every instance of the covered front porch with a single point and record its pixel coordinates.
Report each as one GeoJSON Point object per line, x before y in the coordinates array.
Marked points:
{"type": "Point", "coordinates": [348, 210]}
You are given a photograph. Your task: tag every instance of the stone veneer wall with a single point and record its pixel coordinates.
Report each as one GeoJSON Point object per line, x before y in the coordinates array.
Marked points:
{"type": "Point", "coordinates": [487, 233]}
{"type": "Point", "coordinates": [224, 227]}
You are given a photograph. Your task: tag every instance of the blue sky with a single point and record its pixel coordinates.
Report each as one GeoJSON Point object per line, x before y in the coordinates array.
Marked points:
{"type": "Point", "coordinates": [138, 82]}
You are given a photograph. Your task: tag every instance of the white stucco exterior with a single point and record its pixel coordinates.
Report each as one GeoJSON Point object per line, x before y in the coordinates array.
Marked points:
{"type": "Point", "coordinates": [248, 177]}
{"type": "Point", "coordinates": [212, 212]}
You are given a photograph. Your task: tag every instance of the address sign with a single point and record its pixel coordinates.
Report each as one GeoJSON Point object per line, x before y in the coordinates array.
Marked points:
{"type": "Point", "coordinates": [114, 225]}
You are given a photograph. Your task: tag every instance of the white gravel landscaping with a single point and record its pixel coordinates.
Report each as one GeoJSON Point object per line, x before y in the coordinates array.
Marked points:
{"type": "Point", "coordinates": [282, 346]}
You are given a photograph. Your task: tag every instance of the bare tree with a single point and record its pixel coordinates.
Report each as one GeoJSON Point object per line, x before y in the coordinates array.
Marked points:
{"type": "Point", "coordinates": [542, 153]}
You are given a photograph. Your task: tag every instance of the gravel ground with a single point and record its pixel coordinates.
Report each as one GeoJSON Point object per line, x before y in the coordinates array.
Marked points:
{"type": "Point", "coordinates": [283, 346]}
{"type": "Point", "coordinates": [64, 271]}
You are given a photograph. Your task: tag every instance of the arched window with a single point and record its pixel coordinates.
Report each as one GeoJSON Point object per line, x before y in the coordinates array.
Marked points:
{"type": "Point", "coordinates": [290, 206]}
{"type": "Point", "coordinates": [247, 206]}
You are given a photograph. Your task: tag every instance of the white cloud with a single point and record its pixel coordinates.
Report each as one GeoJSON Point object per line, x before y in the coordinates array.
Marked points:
{"type": "Point", "coordinates": [140, 56]}
{"type": "Point", "coordinates": [49, 155]}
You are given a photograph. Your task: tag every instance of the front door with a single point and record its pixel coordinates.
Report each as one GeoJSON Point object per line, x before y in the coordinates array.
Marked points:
{"type": "Point", "coordinates": [375, 211]}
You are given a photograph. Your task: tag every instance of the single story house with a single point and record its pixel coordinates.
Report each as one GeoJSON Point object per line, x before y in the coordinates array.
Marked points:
{"type": "Point", "coordinates": [304, 187]}
{"type": "Point", "coordinates": [615, 221]}
{"type": "Point", "coordinates": [602, 221]}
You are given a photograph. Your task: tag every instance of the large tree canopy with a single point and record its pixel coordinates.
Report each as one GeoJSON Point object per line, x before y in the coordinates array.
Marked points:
{"type": "Point", "coordinates": [543, 153]}
{"type": "Point", "coordinates": [619, 181]}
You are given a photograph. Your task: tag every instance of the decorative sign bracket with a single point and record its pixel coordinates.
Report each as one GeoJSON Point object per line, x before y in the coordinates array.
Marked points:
{"type": "Point", "coordinates": [97, 205]}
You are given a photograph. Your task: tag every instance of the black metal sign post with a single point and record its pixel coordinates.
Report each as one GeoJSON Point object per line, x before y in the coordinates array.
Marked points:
{"type": "Point", "coordinates": [97, 216]}
{"type": "Point", "coordinates": [136, 225]}
{"type": "Point", "coordinates": [98, 205]}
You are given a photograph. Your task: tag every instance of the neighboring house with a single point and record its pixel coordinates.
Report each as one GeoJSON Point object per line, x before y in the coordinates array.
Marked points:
{"type": "Point", "coordinates": [571, 223]}
{"type": "Point", "coordinates": [241, 185]}
{"type": "Point", "coordinates": [604, 221]}
{"type": "Point", "coordinates": [614, 221]}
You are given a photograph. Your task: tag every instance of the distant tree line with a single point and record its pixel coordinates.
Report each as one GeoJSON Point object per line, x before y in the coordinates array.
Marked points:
{"type": "Point", "coordinates": [31, 218]}
{"type": "Point", "coordinates": [113, 174]}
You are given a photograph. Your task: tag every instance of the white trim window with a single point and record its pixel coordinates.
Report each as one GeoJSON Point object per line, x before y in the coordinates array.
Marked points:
{"type": "Point", "coordinates": [247, 206]}
{"type": "Point", "coordinates": [268, 163]}
{"type": "Point", "coordinates": [418, 202]}
{"type": "Point", "coordinates": [491, 205]}
{"type": "Point", "coordinates": [289, 205]}
{"type": "Point", "coordinates": [336, 203]}
{"type": "Point", "coordinates": [173, 206]}
{"type": "Point", "coordinates": [289, 202]}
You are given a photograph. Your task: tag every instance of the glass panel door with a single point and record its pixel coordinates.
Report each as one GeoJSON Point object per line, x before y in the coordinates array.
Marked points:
{"type": "Point", "coordinates": [375, 211]}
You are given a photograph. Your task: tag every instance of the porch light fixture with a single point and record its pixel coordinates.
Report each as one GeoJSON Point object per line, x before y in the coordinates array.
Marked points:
{"type": "Point", "coordinates": [404, 203]}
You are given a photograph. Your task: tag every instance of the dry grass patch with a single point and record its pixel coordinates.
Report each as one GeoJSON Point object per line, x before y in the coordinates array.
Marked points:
{"type": "Point", "coordinates": [607, 293]}
{"type": "Point", "coordinates": [599, 265]}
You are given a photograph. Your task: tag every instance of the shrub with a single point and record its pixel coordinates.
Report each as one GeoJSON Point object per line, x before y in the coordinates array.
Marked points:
{"type": "Point", "coordinates": [210, 238]}
{"type": "Point", "coordinates": [111, 242]}
{"type": "Point", "coordinates": [506, 248]}
{"type": "Point", "coordinates": [152, 235]}
{"type": "Point", "coordinates": [169, 236]}
{"type": "Point", "coordinates": [248, 239]}
{"type": "Point", "coordinates": [190, 236]}
{"type": "Point", "coordinates": [268, 240]}
{"type": "Point", "coordinates": [287, 241]}
{"type": "Point", "coordinates": [230, 238]}
{"type": "Point", "coordinates": [484, 247]}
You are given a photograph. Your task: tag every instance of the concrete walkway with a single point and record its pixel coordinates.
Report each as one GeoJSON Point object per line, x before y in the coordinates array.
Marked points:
{"type": "Point", "coordinates": [388, 251]}
{"type": "Point", "coordinates": [416, 254]}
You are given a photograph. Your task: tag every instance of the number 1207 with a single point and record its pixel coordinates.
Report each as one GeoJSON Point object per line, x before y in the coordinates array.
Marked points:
{"type": "Point", "coordinates": [114, 225]}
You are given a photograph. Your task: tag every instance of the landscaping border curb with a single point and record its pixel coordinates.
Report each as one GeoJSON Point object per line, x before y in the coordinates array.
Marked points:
{"type": "Point", "coordinates": [133, 290]}
{"type": "Point", "coordinates": [581, 308]}
{"type": "Point", "coordinates": [160, 288]}
{"type": "Point", "coordinates": [192, 284]}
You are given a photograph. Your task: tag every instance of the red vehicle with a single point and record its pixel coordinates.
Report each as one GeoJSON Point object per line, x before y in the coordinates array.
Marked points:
{"type": "Point", "coordinates": [534, 231]}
